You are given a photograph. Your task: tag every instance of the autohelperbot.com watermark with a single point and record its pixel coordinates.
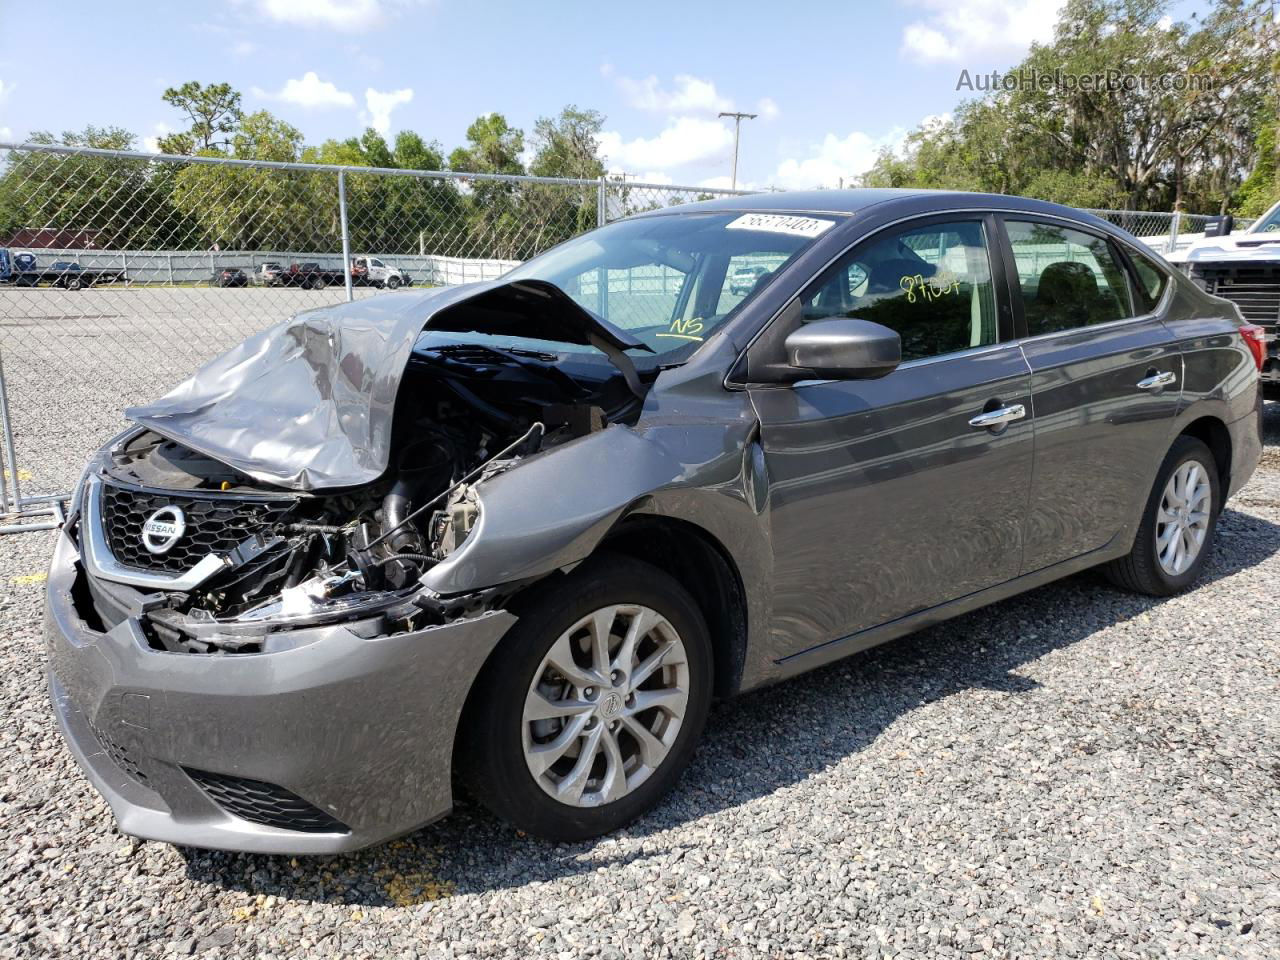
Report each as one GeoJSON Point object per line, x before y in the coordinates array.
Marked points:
{"type": "Point", "coordinates": [1029, 78]}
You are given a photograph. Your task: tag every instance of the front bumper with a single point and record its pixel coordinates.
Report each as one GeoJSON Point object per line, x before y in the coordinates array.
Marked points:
{"type": "Point", "coordinates": [359, 730]}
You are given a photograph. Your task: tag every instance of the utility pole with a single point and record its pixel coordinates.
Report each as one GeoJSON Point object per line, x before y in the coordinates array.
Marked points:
{"type": "Point", "coordinates": [737, 128]}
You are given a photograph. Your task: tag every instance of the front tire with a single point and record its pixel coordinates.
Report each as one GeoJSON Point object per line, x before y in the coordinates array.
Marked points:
{"type": "Point", "coordinates": [1178, 525]}
{"type": "Point", "coordinates": [591, 708]}
{"type": "Point", "coordinates": [393, 282]}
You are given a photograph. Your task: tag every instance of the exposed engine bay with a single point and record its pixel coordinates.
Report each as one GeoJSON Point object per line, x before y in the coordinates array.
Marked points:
{"type": "Point", "coordinates": [464, 413]}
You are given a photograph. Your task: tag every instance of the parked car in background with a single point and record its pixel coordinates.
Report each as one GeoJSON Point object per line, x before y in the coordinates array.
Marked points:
{"type": "Point", "coordinates": [310, 276]}
{"type": "Point", "coordinates": [744, 278]}
{"type": "Point", "coordinates": [523, 531]}
{"type": "Point", "coordinates": [1244, 267]}
{"type": "Point", "coordinates": [269, 273]}
{"type": "Point", "coordinates": [22, 269]}
{"type": "Point", "coordinates": [231, 277]}
{"type": "Point", "coordinates": [374, 272]}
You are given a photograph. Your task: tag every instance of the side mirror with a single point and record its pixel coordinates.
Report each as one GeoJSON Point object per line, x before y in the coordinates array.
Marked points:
{"type": "Point", "coordinates": [842, 348]}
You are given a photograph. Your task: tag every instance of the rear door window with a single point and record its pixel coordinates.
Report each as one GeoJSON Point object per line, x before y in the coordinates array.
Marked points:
{"type": "Point", "coordinates": [1068, 278]}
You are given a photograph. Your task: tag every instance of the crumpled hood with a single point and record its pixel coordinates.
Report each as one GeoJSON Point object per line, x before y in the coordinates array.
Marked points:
{"type": "Point", "coordinates": [309, 404]}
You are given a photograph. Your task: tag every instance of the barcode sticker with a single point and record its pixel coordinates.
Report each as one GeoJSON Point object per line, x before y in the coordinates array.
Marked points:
{"type": "Point", "coordinates": [779, 223]}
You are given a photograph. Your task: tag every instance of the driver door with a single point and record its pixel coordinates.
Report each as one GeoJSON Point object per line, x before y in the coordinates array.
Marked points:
{"type": "Point", "coordinates": [889, 496]}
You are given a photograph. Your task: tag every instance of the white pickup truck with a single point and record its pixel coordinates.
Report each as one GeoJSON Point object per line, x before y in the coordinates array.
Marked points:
{"type": "Point", "coordinates": [378, 273]}
{"type": "Point", "coordinates": [1244, 267]}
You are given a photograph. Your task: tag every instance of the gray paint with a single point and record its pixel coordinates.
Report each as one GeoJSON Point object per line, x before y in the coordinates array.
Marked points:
{"type": "Point", "coordinates": [309, 403]}
{"type": "Point", "coordinates": [853, 511]}
{"type": "Point", "coordinates": [337, 720]}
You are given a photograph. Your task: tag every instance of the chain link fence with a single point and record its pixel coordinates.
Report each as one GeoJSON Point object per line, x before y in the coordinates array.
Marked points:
{"type": "Point", "coordinates": [122, 272]}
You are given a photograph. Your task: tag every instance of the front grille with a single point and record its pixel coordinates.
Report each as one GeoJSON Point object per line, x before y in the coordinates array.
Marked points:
{"type": "Point", "coordinates": [265, 803]}
{"type": "Point", "coordinates": [118, 754]}
{"type": "Point", "coordinates": [1254, 288]}
{"type": "Point", "coordinates": [213, 525]}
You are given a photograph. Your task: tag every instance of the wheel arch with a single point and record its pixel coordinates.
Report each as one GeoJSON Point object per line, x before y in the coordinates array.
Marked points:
{"type": "Point", "coordinates": [1213, 433]}
{"type": "Point", "coordinates": [706, 569]}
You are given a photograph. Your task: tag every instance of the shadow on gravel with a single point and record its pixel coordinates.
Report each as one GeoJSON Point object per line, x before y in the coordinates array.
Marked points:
{"type": "Point", "coordinates": [753, 745]}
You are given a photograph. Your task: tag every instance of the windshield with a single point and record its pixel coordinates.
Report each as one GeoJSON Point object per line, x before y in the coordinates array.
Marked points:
{"type": "Point", "coordinates": [670, 281]}
{"type": "Point", "coordinates": [1269, 222]}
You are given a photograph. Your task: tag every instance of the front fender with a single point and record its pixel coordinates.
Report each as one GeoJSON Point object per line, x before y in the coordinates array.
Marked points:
{"type": "Point", "coordinates": [554, 509]}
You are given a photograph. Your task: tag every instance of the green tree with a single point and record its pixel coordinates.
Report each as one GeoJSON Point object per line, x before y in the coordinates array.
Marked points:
{"type": "Point", "coordinates": [563, 146]}
{"type": "Point", "coordinates": [1144, 145]}
{"type": "Point", "coordinates": [254, 208]}
{"type": "Point", "coordinates": [212, 112]}
{"type": "Point", "coordinates": [568, 145]}
{"type": "Point", "coordinates": [391, 214]}
{"type": "Point", "coordinates": [109, 201]}
{"type": "Point", "coordinates": [493, 146]}
{"type": "Point", "coordinates": [492, 208]}
{"type": "Point", "coordinates": [1262, 188]}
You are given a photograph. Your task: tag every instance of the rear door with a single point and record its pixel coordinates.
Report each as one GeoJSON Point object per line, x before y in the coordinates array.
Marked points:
{"type": "Point", "coordinates": [891, 496]}
{"type": "Point", "coordinates": [1106, 377]}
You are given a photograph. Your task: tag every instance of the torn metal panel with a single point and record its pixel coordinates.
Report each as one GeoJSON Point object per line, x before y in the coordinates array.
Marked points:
{"type": "Point", "coordinates": [309, 404]}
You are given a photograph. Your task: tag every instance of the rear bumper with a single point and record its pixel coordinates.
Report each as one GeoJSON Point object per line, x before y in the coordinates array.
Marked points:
{"type": "Point", "coordinates": [359, 730]}
{"type": "Point", "coordinates": [1246, 447]}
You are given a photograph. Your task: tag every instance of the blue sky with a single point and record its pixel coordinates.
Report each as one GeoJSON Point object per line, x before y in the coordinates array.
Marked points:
{"type": "Point", "coordinates": [833, 81]}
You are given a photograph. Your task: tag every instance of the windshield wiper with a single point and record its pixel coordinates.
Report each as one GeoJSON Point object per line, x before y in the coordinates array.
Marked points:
{"type": "Point", "coordinates": [499, 352]}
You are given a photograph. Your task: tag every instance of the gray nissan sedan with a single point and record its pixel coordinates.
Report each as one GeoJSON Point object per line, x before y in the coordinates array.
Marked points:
{"type": "Point", "coordinates": [516, 536]}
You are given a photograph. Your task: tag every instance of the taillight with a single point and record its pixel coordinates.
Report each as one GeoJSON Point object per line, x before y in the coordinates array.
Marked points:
{"type": "Point", "coordinates": [1255, 338]}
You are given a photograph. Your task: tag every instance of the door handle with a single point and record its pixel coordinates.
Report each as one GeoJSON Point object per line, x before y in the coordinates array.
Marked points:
{"type": "Point", "coordinates": [996, 418]}
{"type": "Point", "coordinates": [1157, 380]}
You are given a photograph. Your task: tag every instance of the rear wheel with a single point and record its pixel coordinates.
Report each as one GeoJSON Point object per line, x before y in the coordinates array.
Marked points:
{"type": "Point", "coordinates": [1178, 525]}
{"type": "Point", "coordinates": [594, 703]}
{"type": "Point", "coordinates": [73, 283]}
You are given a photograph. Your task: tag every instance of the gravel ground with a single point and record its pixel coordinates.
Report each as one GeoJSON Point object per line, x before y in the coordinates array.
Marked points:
{"type": "Point", "coordinates": [1076, 772]}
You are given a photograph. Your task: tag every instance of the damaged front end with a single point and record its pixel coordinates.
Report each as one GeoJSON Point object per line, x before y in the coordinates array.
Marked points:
{"type": "Point", "coordinates": [186, 524]}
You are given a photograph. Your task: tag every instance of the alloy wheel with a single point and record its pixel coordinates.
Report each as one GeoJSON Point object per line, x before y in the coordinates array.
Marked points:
{"type": "Point", "coordinates": [1183, 519]}
{"type": "Point", "coordinates": [606, 705]}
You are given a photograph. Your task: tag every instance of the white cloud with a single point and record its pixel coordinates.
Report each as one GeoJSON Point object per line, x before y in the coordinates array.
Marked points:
{"type": "Point", "coordinates": [244, 48]}
{"type": "Point", "coordinates": [926, 43]}
{"type": "Point", "coordinates": [723, 182]}
{"type": "Point", "coordinates": [347, 15]}
{"type": "Point", "coordinates": [689, 95]}
{"type": "Point", "coordinates": [935, 121]}
{"type": "Point", "coordinates": [381, 104]}
{"type": "Point", "coordinates": [5, 91]}
{"type": "Point", "coordinates": [767, 108]}
{"type": "Point", "coordinates": [6, 134]}
{"type": "Point", "coordinates": [684, 140]}
{"type": "Point", "coordinates": [654, 176]}
{"type": "Point", "coordinates": [151, 144]}
{"type": "Point", "coordinates": [836, 158]}
{"type": "Point", "coordinates": [962, 30]}
{"type": "Point", "coordinates": [310, 92]}
{"type": "Point", "coordinates": [1165, 22]}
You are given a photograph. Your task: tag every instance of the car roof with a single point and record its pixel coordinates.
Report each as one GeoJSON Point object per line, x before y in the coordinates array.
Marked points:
{"type": "Point", "coordinates": [847, 202]}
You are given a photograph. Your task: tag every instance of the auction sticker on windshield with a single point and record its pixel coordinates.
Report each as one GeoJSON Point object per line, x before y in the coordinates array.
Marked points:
{"type": "Point", "coordinates": [778, 223]}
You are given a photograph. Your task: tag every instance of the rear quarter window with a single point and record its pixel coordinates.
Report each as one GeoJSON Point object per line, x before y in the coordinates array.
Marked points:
{"type": "Point", "coordinates": [1151, 281]}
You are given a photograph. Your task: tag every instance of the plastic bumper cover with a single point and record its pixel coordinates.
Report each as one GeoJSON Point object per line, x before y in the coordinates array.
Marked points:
{"type": "Point", "coordinates": [359, 730]}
